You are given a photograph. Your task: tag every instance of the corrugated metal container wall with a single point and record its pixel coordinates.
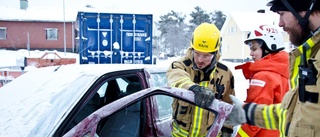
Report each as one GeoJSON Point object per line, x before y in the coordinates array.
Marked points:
{"type": "Point", "coordinates": [114, 38]}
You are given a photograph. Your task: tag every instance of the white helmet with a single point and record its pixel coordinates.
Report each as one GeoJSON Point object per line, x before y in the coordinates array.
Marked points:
{"type": "Point", "coordinates": [269, 35]}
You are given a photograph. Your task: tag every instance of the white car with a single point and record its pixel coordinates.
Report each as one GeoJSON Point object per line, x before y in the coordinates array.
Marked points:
{"type": "Point", "coordinates": [94, 100]}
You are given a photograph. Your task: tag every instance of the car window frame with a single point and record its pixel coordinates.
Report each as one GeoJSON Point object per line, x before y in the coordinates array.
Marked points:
{"type": "Point", "coordinates": [140, 73]}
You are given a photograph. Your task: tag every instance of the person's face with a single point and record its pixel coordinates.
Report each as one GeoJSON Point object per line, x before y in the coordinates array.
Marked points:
{"type": "Point", "coordinates": [202, 59]}
{"type": "Point", "coordinates": [255, 50]}
{"type": "Point", "coordinates": [290, 24]}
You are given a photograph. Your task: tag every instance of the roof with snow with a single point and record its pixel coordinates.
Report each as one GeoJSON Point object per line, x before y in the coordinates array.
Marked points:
{"type": "Point", "coordinates": [45, 14]}
{"type": "Point", "coordinates": [245, 21]}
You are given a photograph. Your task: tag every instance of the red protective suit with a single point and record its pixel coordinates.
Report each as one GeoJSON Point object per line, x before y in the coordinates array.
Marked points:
{"type": "Point", "coordinates": [269, 81]}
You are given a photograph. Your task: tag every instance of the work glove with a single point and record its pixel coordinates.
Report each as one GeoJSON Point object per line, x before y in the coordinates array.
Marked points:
{"type": "Point", "coordinates": [237, 115]}
{"type": "Point", "coordinates": [203, 97]}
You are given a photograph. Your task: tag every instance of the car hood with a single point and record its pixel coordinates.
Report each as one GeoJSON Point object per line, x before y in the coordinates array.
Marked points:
{"type": "Point", "coordinates": [38, 100]}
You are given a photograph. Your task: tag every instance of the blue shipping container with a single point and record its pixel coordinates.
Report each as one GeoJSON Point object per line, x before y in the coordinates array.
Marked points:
{"type": "Point", "coordinates": [114, 38]}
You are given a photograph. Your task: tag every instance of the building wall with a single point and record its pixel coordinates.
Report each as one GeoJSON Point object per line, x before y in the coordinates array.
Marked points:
{"type": "Point", "coordinates": [17, 35]}
{"type": "Point", "coordinates": [233, 48]}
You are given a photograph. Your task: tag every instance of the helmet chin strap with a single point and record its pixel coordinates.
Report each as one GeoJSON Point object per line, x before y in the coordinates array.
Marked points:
{"type": "Point", "coordinates": [304, 22]}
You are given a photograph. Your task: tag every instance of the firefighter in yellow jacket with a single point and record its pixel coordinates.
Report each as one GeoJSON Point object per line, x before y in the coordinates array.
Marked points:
{"type": "Point", "coordinates": [201, 72]}
{"type": "Point", "coordinates": [298, 115]}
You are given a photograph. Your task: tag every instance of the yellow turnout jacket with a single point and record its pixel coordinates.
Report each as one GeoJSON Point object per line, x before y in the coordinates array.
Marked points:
{"type": "Point", "coordinates": [190, 120]}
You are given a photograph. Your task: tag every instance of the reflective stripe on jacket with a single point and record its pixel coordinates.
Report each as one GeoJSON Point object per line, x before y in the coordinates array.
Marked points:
{"type": "Point", "coordinates": [197, 117]}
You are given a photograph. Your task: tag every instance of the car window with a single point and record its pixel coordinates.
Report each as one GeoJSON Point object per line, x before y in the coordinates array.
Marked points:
{"type": "Point", "coordinates": [107, 91]}
{"type": "Point", "coordinates": [122, 85]}
{"type": "Point", "coordinates": [163, 102]}
{"type": "Point", "coordinates": [164, 106]}
{"type": "Point", "coordinates": [117, 87]}
{"type": "Point", "coordinates": [158, 79]}
{"type": "Point", "coordinates": [102, 89]}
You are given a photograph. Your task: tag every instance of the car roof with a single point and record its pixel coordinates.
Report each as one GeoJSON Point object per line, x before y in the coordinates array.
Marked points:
{"type": "Point", "coordinates": [43, 95]}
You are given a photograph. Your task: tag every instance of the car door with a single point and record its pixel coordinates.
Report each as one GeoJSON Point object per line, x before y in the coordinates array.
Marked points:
{"type": "Point", "coordinates": [107, 89]}
{"type": "Point", "coordinates": [91, 124]}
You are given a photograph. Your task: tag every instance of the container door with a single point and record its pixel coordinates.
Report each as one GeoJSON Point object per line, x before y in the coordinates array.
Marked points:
{"type": "Point", "coordinates": [116, 38]}
{"type": "Point", "coordinates": [134, 37]}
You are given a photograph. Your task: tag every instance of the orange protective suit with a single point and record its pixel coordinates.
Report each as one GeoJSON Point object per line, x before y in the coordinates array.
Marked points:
{"type": "Point", "coordinates": [268, 83]}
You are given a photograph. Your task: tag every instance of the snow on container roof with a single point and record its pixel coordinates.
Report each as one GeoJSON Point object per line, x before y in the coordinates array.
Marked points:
{"type": "Point", "coordinates": [47, 14]}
